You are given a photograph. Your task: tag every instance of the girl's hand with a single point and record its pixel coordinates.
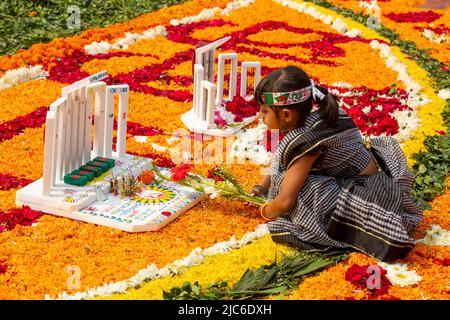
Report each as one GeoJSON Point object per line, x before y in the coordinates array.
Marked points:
{"type": "Point", "coordinates": [251, 205]}
{"type": "Point", "coordinates": [259, 191]}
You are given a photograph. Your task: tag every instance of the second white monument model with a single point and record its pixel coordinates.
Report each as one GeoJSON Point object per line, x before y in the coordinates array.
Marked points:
{"type": "Point", "coordinates": [209, 96]}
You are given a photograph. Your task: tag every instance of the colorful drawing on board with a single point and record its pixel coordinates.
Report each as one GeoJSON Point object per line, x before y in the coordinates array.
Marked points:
{"type": "Point", "coordinates": [154, 194]}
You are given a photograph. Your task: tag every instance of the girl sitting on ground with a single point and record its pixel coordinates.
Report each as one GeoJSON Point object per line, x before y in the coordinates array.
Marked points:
{"type": "Point", "coordinates": [326, 188]}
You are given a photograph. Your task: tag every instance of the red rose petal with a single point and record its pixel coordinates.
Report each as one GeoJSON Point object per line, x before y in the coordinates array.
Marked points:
{"type": "Point", "coordinates": [3, 268]}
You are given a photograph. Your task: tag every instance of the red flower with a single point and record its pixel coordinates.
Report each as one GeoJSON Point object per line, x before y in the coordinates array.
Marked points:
{"type": "Point", "coordinates": [179, 173]}
{"type": "Point", "coordinates": [164, 162]}
{"type": "Point", "coordinates": [372, 277]}
{"type": "Point", "coordinates": [137, 129]}
{"type": "Point", "coordinates": [212, 175]}
{"type": "Point", "coordinates": [3, 268]}
{"type": "Point", "coordinates": [238, 118]}
{"type": "Point", "coordinates": [242, 108]}
{"type": "Point", "coordinates": [445, 262]}
{"type": "Point", "coordinates": [34, 119]}
{"type": "Point", "coordinates": [377, 106]}
{"type": "Point", "coordinates": [8, 182]}
{"type": "Point", "coordinates": [441, 132]}
{"type": "Point", "coordinates": [31, 215]}
{"type": "Point", "coordinates": [24, 216]}
{"type": "Point", "coordinates": [354, 274]}
{"type": "Point", "coordinates": [221, 123]}
{"type": "Point", "coordinates": [425, 16]}
{"type": "Point", "coordinates": [247, 111]}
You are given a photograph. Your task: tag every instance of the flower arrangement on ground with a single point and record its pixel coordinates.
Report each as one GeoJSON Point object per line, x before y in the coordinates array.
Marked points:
{"type": "Point", "coordinates": [219, 182]}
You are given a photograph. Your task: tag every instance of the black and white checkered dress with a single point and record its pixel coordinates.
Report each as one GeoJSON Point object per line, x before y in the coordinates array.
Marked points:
{"type": "Point", "coordinates": [336, 208]}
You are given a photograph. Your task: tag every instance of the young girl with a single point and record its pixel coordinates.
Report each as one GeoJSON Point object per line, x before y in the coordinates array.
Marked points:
{"type": "Point", "coordinates": [326, 189]}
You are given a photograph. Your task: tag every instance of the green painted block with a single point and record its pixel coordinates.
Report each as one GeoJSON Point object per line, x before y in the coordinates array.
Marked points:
{"type": "Point", "coordinates": [88, 174]}
{"type": "Point", "coordinates": [75, 179]}
{"type": "Point", "coordinates": [105, 166]}
{"type": "Point", "coordinates": [96, 170]}
{"type": "Point", "coordinates": [112, 162]}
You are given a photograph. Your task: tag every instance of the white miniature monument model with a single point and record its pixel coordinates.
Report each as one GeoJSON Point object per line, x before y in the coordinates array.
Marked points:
{"type": "Point", "coordinates": [67, 149]}
{"type": "Point", "coordinates": [208, 96]}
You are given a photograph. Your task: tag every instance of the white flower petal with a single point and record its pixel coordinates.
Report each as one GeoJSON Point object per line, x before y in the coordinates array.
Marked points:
{"type": "Point", "coordinates": [398, 274]}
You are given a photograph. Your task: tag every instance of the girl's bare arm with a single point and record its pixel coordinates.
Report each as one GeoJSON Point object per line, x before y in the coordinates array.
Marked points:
{"type": "Point", "coordinates": [262, 188]}
{"type": "Point", "coordinates": [265, 181]}
{"type": "Point", "coordinates": [292, 184]}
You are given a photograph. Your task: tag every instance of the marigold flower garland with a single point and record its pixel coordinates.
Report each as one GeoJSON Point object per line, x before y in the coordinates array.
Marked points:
{"type": "Point", "coordinates": [148, 112]}
{"type": "Point", "coordinates": [196, 257]}
{"type": "Point", "coordinates": [26, 98]}
{"type": "Point", "coordinates": [45, 53]}
{"type": "Point", "coordinates": [407, 29]}
{"type": "Point", "coordinates": [233, 264]}
{"type": "Point", "coordinates": [392, 297]}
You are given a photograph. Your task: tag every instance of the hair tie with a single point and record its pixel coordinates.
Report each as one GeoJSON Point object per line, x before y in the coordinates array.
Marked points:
{"type": "Point", "coordinates": [317, 95]}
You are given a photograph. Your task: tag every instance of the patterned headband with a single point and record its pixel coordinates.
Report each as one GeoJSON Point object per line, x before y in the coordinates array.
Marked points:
{"type": "Point", "coordinates": [292, 97]}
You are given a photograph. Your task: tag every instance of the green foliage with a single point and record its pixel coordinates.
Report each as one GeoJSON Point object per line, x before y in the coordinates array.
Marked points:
{"type": "Point", "coordinates": [393, 89]}
{"type": "Point", "coordinates": [276, 278]}
{"type": "Point", "coordinates": [431, 169]}
{"type": "Point", "coordinates": [188, 291]}
{"type": "Point", "coordinates": [19, 29]}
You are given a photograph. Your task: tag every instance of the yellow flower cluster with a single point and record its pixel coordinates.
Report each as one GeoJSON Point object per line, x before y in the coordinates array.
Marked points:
{"type": "Point", "coordinates": [117, 65]}
{"type": "Point", "coordinates": [228, 267]}
{"type": "Point", "coordinates": [27, 97]}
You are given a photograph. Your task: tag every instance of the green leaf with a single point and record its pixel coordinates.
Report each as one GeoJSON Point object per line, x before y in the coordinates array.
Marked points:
{"type": "Point", "coordinates": [273, 279]}
{"type": "Point", "coordinates": [186, 287]}
{"type": "Point", "coordinates": [313, 266]}
{"type": "Point", "coordinates": [422, 169]}
{"type": "Point", "coordinates": [393, 89]}
{"type": "Point", "coordinates": [196, 289]}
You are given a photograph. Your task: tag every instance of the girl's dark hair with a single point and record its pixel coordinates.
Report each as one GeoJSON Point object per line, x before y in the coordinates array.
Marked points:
{"type": "Point", "coordinates": [293, 78]}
